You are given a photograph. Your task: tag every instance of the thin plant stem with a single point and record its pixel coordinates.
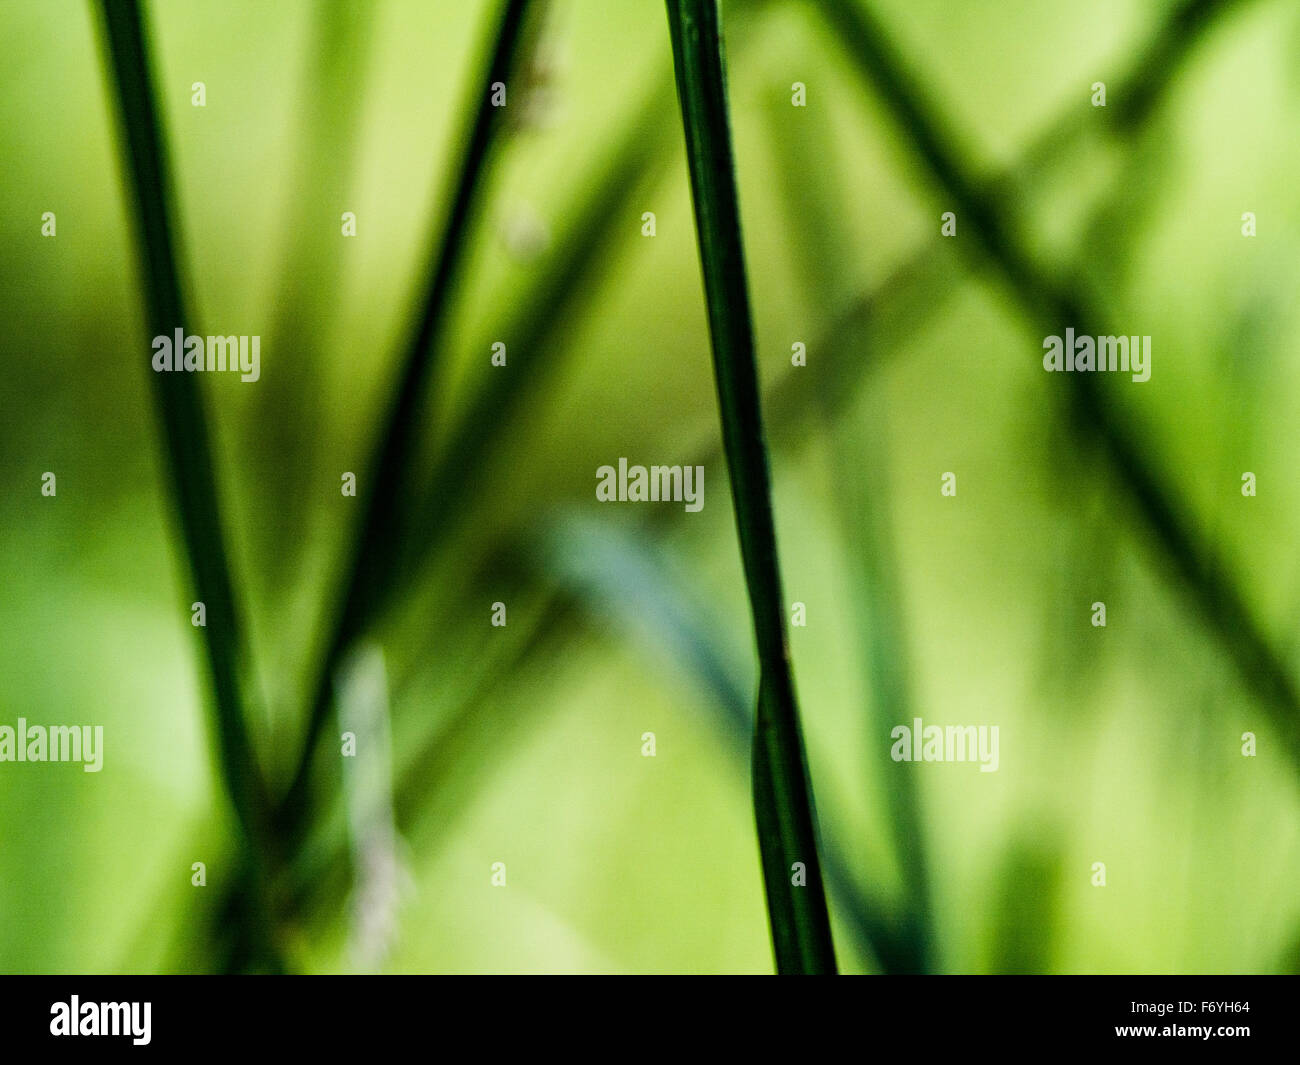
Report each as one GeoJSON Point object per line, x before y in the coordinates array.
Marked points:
{"type": "Point", "coordinates": [1200, 571]}
{"type": "Point", "coordinates": [368, 569]}
{"type": "Point", "coordinates": [188, 451]}
{"type": "Point", "coordinates": [783, 800]}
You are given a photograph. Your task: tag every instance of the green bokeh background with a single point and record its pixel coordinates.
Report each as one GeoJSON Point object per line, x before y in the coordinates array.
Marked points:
{"type": "Point", "coordinates": [519, 745]}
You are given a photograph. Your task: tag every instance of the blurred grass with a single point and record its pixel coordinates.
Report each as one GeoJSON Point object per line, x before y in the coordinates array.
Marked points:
{"type": "Point", "coordinates": [180, 412]}
{"type": "Point", "coordinates": [520, 746]}
{"type": "Point", "coordinates": [309, 275]}
{"type": "Point", "coordinates": [368, 567]}
{"type": "Point", "coordinates": [1205, 578]}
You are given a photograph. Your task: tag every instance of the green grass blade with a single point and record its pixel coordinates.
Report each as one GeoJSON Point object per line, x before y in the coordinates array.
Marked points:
{"type": "Point", "coordinates": [1200, 571]}
{"type": "Point", "coordinates": [537, 325]}
{"type": "Point", "coordinates": [368, 574]}
{"type": "Point", "coordinates": [782, 791]}
{"type": "Point", "coordinates": [804, 151]}
{"type": "Point", "coordinates": [625, 578]}
{"type": "Point", "coordinates": [1164, 56]}
{"type": "Point", "coordinates": [185, 435]}
{"type": "Point", "coordinates": [873, 321]}
{"type": "Point", "coordinates": [313, 263]}
{"type": "Point", "coordinates": [1152, 69]}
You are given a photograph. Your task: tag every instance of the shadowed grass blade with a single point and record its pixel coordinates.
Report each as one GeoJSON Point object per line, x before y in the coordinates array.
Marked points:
{"type": "Point", "coordinates": [313, 264]}
{"type": "Point", "coordinates": [801, 932]}
{"type": "Point", "coordinates": [806, 148]}
{"type": "Point", "coordinates": [563, 284]}
{"type": "Point", "coordinates": [536, 327]}
{"type": "Point", "coordinates": [368, 571]}
{"type": "Point", "coordinates": [1054, 304]}
{"type": "Point", "coordinates": [185, 435]}
{"type": "Point", "coordinates": [625, 578]}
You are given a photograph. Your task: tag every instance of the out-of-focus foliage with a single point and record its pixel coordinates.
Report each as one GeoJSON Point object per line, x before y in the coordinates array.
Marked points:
{"type": "Point", "coordinates": [522, 744]}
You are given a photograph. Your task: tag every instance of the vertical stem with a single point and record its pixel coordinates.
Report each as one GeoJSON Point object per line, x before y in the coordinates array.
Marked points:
{"type": "Point", "coordinates": [783, 803]}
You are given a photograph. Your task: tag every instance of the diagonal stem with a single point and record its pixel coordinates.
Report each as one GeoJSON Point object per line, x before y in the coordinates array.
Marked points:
{"type": "Point", "coordinates": [369, 569]}
{"type": "Point", "coordinates": [1203, 575]}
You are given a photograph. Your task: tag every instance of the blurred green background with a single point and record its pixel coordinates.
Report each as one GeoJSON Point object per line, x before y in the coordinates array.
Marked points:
{"type": "Point", "coordinates": [522, 744]}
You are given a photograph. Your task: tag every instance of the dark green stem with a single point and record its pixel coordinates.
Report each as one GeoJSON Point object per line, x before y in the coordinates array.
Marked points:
{"type": "Point", "coordinates": [1201, 573]}
{"type": "Point", "coordinates": [783, 802]}
{"type": "Point", "coordinates": [189, 459]}
{"type": "Point", "coordinates": [369, 566]}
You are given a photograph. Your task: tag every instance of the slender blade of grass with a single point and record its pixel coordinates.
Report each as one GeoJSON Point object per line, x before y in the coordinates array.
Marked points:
{"type": "Point", "coordinates": [582, 261]}
{"type": "Point", "coordinates": [365, 711]}
{"type": "Point", "coordinates": [783, 801]}
{"type": "Point", "coordinates": [536, 327]}
{"type": "Point", "coordinates": [598, 575]}
{"type": "Point", "coordinates": [1152, 69]}
{"type": "Point", "coordinates": [624, 577]}
{"type": "Point", "coordinates": [368, 575]}
{"type": "Point", "coordinates": [185, 436]}
{"type": "Point", "coordinates": [313, 262]}
{"type": "Point", "coordinates": [806, 146]}
{"type": "Point", "coordinates": [918, 287]}
{"type": "Point", "coordinates": [1200, 571]}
